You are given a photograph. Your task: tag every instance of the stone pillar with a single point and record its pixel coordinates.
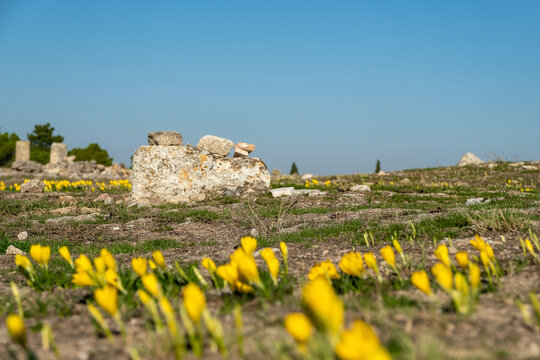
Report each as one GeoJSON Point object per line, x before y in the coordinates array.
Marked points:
{"type": "Point", "coordinates": [58, 153]}
{"type": "Point", "coordinates": [22, 151]}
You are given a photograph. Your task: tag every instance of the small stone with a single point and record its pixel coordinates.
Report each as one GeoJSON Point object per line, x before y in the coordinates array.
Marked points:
{"type": "Point", "coordinates": [529, 167]}
{"type": "Point", "coordinates": [309, 192]}
{"type": "Point", "coordinates": [240, 153]}
{"type": "Point", "coordinates": [361, 188]}
{"type": "Point", "coordinates": [381, 173]}
{"type": "Point", "coordinates": [106, 198]}
{"type": "Point", "coordinates": [116, 228]}
{"type": "Point", "coordinates": [279, 192]}
{"type": "Point", "coordinates": [32, 186]}
{"type": "Point", "coordinates": [66, 199]}
{"type": "Point", "coordinates": [474, 201]}
{"type": "Point", "coordinates": [22, 235]}
{"type": "Point", "coordinates": [165, 138]}
{"type": "Point", "coordinates": [249, 148]}
{"type": "Point", "coordinates": [12, 250]}
{"type": "Point", "coordinates": [470, 159]}
{"type": "Point", "coordinates": [306, 176]}
{"type": "Point", "coordinates": [405, 181]}
{"type": "Point", "coordinates": [254, 233]}
{"type": "Point", "coordinates": [215, 145]}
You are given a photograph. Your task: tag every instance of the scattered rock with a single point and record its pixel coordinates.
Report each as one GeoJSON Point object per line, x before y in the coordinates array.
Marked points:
{"type": "Point", "coordinates": [381, 173]}
{"type": "Point", "coordinates": [22, 235]}
{"type": "Point", "coordinates": [516, 164]}
{"type": "Point", "coordinates": [64, 219]}
{"type": "Point", "coordinates": [254, 233]}
{"type": "Point", "coordinates": [470, 159]}
{"type": "Point", "coordinates": [165, 138]}
{"type": "Point", "coordinates": [276, 174]}
{"type": "Point", "coordinates": [491, 165]}
{"type": "Point", "coordinates": [529, 167]}
{"type": "Point", "coordinates": [240, 153]}
{"type": "Point", "coordinates": [105, 198]}
{"type": "Point", "coordinates": [309, 192]}
{"type": "Point", "coordinates": [361, 188]}
{"type": "Point", "coordinates": [12, 250]}
{"type": "Point", "coordinates": [215, 145]}
{"type": "Point", "coordinates": [64, 210]}
{"type": "Point", "coordinates": [116, 228]}
{"type": "Point", "coordinates": [66, 199]}
{"type": "Point", "coordinates": [306, 176]}
{"type": "Point", "coordinates": [405, 181]}
{"type": "Point", "coordinates": [476, 201]}
{"type": "Point", "coordinates": [32, 186]}
{"type": "Point", "coordinates": [28, 167]}
{"type": "Point", "coordinates": [249, 148]}
{"type": "Point", "coordinates": [167, 174]}
{"type": "Point", "coordinates": [285, 191]}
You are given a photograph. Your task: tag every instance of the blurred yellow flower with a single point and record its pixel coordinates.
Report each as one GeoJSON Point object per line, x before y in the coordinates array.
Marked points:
{"type": "Point", "coordinates": [194, 302]}
{"type": "Point", "coordinates": [360, 343]}
{"type": "Point", "coordinates": [272, 262]}
{"type": "Point", "coordinates": [24, 262]}
{"type": "Point", "coordinates": [441, 253]}
{"type": "Point", "coordinates": [64, 253]}
{"type": "Point", "coordinates": [83, 279]}
{"type": "Point", "coordinates": [139, 265]}
{"type": "Point", "coordinates": [323, 305]}
{"type": "Point", "coordinates": [209, 265]}
{"type": "Point", "coordinates": [474, 276]}
{"type": "Point", "coordinates": [83, 263]}
{"type": "Point", "coordinates": [462, 258]}
{"type": "Point", "coordinates": [397, 246]}
{"type": "Point", "coordinates": [443, 275]}
{"type": "Point", "coordinates": [107, 298]}
{"type": "Point", "coordinates": [299, 327]}
{"type": "Point", "coordinates": [325, 269]}
{"type": "Point", "coordinates": [389, 256]}
{"type": "Point", "coordinates": [159, 259]}
{"type": "Point", "coordinates": [420, 279]}
{"type": "Point", "coordinates": [16, 329]}
{"type": "Point", "coordinates": [151, 284]}
{"type": "Point", "coordinates": [108, 258]}
{"type": "Point", "coordinates": [99, 264]}
{"type": "Point", "coordinates": [40, 254]}
{"type": "Point", "coordinates": [352, 264]}
{"type": "Point", "coordinates": [249, 244]}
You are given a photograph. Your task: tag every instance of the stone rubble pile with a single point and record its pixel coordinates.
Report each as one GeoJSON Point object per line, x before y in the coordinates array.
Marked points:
{"type": "Point", "coordinates": [62, 165]}
{"type": "Point", "coordinates": [165, 173]}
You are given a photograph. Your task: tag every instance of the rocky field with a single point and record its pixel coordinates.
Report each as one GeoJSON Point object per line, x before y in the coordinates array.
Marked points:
{"type": "Point", "coordinates": [479, 304]}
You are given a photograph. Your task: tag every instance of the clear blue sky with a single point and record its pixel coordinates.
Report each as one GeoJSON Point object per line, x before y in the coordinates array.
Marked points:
{"type": "Point", "coordinates": [332, 85]}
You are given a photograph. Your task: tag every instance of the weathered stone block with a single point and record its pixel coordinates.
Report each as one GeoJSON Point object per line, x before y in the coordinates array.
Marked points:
{"type": "Point", "coordinates": [58, 153]}
{"type": "Point", "coordinates": [165, 138]}
{"type": "Point", "coordinates": [22, 151]}
{"type": "Point", "coordinates": [215, 145]}
{"type": "Point", "coordinates": [164, 174]}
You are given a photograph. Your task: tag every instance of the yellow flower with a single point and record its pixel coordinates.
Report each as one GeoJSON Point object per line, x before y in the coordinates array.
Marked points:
{"type": "Point", "coordinates": [159, 259]}
{"type": "Point", "coordinates": [272, 262]}
{"type": "Point", "coordinates": [478, 243]}
{"type": "Point", "coordinates": [388, 255]}
{"type": "Point", "coordinates": [144, 296]}
{"type": "Point", "coordinates": [194, 302]}
{"type": "Point", "coordinates": [474, 276]}
{"type": "Point", "coordinates": [139, 265]}
{"type": "Point", "coordinates": [442, 254]}
{"type": "Point", "coordinates": [284, 250]}
{"type": "Point", "coordinates": [64, 253]}
{"type": "Point", "coordinates": [209, 265]}
{"type": "Point", "coordinates": [323, 305]}
{"type": "Point", "coordinates": [484, 258]}
{"type": "Point", "coordinates": [299, 326]}
{"type": "Point", "coordinates": [397, 246]}
{"type": "Point", "coordinates": [16, 329]}
{"type": "Point", "coordinates": [108, 258]}
{"type": "Point", "coordinates": [151, 284]}
{"type": "Point", "coordinates": [107, 298]}
{"type": "Point", "coordinates": [443, 274]}
{"type": "Point", "coordinates": [152, 264]}
{"type": "Point", "coordinates": [249, 244]}
{"type": "Point", "coordinates": [83, 279]}
{"type": "Point", "coordinates": [83, 264]}
{"type": "Point", "coordinates": [529, 246]}
{"type": "Point", "coordinates": [461, 284]}
{"type": "Point", "coordinates": [352, 264]}
{"type": "Point", "coordinates": [360, 343]}
{"type": "Point", "coordinates": [247, 270]}
{"type": "Point", "coordinates": [24, 262]}
{"type": "Point", "coordinates": [40, 254]}
{"type": "Point", "coordinates": [371, 262]}
{"type": "Point", "coordinates": [112, 278]}
{"type": "Point", "coordinates": [462, 258]}
{"type": "Point", "coordinates": [421, 281]}
{"type": "Point", "coordinates": [228, 272]}
{"type": "Point", "coordinates": [325, 269]}
{"type": "Point", "coordinates": [99, 264]}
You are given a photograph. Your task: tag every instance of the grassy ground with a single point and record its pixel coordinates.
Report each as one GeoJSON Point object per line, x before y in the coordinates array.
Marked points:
{"type": "Point", "coordinates": [422, 208]}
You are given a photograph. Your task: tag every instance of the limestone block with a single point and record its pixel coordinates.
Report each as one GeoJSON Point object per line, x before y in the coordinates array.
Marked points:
{"type": "Point", "coordinates": [22, 151]}
{"type": "Point", "coordinates": [470, 159]}
{"type": "Point", "coordinates": [165, 138]}
{"type": "Point", "coordinates": [240, 153]}
{"type": "Point", "coordinates": [245, 146]}
{"type": "Point", "coordinates": [170, 174]}
{"type": "Point", "coordinates": [215, 145]}
{"type": "Point", "coordinates": [58, 153]}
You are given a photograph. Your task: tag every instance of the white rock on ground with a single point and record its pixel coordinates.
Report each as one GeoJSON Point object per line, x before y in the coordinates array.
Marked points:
{"type": "Point", "coordinates": [173, 174]}
{"type": "Point", "coordinates": [12, 250]}
{"type": "Point", "coordinates": [240, 153]}
{"type": "Point", "coordinates": [32, 186]}
{"type": "Point", "coordinates": [285, 191]}
{"type": "Point", "coordinates": [306, 176]}
{"type": "Point", "coordinates": [23, 235]}
{"type": "Point", "coordinates": [470, 159]}
{"type": "Point", "coordinates": [361, 188]}
{"type": "Point", "coordinates": [215, 145]}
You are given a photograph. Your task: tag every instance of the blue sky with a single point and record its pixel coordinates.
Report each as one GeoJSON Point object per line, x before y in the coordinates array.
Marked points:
{"type": "Point", "coordinates": [331, 85]}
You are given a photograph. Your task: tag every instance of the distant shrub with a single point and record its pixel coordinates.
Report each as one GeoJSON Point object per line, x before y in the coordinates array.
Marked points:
{"type": "Point", "coordinates": [294, 169]}
{"type": "Point", "coordinates": [378, 167]}
{"type": "Point", "coordinates": [92, 152]}
{"type": "Point", "coordinates": [7, 148]}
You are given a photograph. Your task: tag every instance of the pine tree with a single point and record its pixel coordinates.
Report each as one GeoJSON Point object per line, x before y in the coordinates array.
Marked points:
{"type": "Point", "coordinates": [294, 169]}
{"type": "Point", "coordinates": [378, 167]}
{"type": "Point", "coordinates": [41, 140]}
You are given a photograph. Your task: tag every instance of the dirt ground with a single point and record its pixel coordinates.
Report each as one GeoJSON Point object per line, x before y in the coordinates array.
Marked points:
{"type": "Point", "coordinates": [422, 208]}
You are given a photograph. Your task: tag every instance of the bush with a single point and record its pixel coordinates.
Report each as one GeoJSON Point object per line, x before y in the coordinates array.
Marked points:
{"type": "Point", "coordinates": [92, 152]}
{"type": "Point", "coordinates": [294, 169]}
{"type": "Point", "coordinates": [7, 148]}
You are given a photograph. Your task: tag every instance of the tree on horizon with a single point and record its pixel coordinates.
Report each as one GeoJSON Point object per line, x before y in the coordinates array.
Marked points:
{"type": "Point", "coordinates": [294, 169]}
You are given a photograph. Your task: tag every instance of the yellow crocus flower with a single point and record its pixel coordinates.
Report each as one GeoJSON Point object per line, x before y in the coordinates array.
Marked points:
{"type": "Point", "coordinates": [40, 254]}
{"type": "Point", "coordinates": [360, 342]}
{"type": "Point", "coordinates": [249, 244]}
{"type": "Point", "coordinates": [194, 302]}
{"type": "Point", "coordinates": [24, 262]}
{"type": "Point", "coordinates": [64, 253]}
{"type": "Point", "coordinates": [83, 264]}
{"type": "Point", "coordinates": [397, 246]}
{"type": "Point", "coordinates": [474, 276]}
{"type": "Point", "coordinates": [323, 305]}
{"type": "Point", "coordinates": [462, 258]}
{"type": "Point", "coordinates": [272, 262]}
{"type": "Point", "coordinates": [441, 253]}
{"type": "Point", "coordinates": [299, 327]}
{"type": "Point", "coordinates": [420, 279]}
{"type": "Point", "coordinates": [159, 259]}
{"type": "Point", "coordinates": [152, 264]}
{"type": "Point", "coordinates": [325, 269]}
{"type": "Point", "coordinates": [99, 264]}
{"type": "Point", "coordinates": [107, 298]}
{"type": "Point", "coordinates": [352, 264]}
{"type": "Point", "coordinates": [247, 270]}
{"type": "Point", "coordinates": [444, 276]}
{"type": "Point", "coordinates": [461, 284]}
{"type": "Point", "coordinates": [16, 329]}
{"type": "Point", "coordinates": [529, 247]}
{"type": "Point", "coordinates": [83, 279]}
{"type": "Point", "coordinates": [139, 265]}
{"type": "Point", "coordinates": [108, 258]}
{"type": "Point", "coordinates": [209, 265]}
{"type": "Point", "coordinates": [151, 284]}
{"type": "Point", "coordinates": [389, 256]}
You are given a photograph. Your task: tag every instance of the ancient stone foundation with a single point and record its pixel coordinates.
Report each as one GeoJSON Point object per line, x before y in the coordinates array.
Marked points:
{"type": "Point", "coordinates": [22, 151]}
{"type": "Point", "coordinates": [58, 153]}
{"type": "Point", "coordinates": [174, 174]}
